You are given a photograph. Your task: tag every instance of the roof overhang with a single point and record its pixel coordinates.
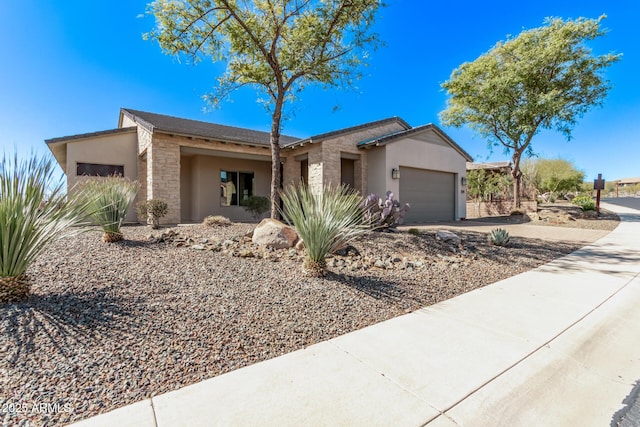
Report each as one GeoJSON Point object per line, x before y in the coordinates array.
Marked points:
{"type": "Point", "coordinates": [58, 146]}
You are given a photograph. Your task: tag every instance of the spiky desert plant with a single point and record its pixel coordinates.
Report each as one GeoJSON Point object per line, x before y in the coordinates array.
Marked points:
{"type": "Point", "coordinates": [499, 237]}
{"type": "Point", "coordinates": [325, 220]}
{"type": "Point", "coordinates": [34, 212]}
{"type": "Point", "coordinates": [110, 199]}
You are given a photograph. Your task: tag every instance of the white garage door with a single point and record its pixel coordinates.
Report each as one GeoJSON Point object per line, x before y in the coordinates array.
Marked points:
{"type": "Point", "coordinates": [431, 195]}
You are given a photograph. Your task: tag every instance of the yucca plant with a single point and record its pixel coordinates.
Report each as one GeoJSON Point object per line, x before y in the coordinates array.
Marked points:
{"type": "Point", "coordinates": [34, 211]}
{"type": "Point", "coordinates": [325, 220]}
{"type": "Point", "coordinates": [110, 199]}
{"type": "Point", "coordinates": [499, 237]}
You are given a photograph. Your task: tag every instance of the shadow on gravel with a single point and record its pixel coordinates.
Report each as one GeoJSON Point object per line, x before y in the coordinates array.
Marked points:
{"type": "Point", "coordinates": [66, 320]}
{"type": "Point", "coordinates": [374, 287]}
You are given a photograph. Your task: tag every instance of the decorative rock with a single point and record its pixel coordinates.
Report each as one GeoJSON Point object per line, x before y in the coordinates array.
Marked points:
{"type": "Point", "coordinates": [198, 247]}
{"type": "Point", "coordinates": [246, 253]}
{"type": "Point", "coordinates": [274, 234]}
{"type": "Point", "coordinates": [300, 245]}
{"type": "Point", "coordinates": [448, 236]}
{"type": "Point", "coordinates": [533, 216]}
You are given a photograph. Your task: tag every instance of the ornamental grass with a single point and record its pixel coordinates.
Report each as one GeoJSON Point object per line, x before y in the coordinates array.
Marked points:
{"type": "Point", "coordinates": [325, 220]}
{"type": "Point", "coordinates": [34, 211]}
{"type": "Point", "coordinates": [109, 200]}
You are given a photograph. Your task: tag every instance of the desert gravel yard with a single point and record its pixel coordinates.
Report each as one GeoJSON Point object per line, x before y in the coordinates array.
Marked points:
{"type": "Point", "coordinates": [111, 324]}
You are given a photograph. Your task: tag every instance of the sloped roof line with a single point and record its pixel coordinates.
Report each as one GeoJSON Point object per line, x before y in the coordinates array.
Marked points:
{"type": "Point", "coordinates": [345, 131]}
{"type": "Point", "coordinates": [90, 135]}
{"type": "Point", "coordinates": [196, 128]}
{"type": "Point", "coordinates": [418, 129]}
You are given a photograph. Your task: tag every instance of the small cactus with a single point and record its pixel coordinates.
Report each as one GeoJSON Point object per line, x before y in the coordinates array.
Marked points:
{"type": "Point", "coordinates": [499, 237]}
{"type": "Point", "coordinates": [388, 213]}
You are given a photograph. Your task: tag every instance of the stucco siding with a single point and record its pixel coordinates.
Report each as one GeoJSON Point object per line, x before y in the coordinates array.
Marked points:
{"type": "Point", "coordinates": [185, 189]}
{"type": "Point", "coordinates": [377, 171]}
{"type": "Point", "coordinates": [205, 185]}
{"type": "Point", "coordinates": [117, 150]}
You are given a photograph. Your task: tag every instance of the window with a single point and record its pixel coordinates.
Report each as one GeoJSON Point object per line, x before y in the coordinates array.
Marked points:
{"type": "Point", "coordinates": [93, 169]}
{"type": "Point", "coordinates": [235, 187]}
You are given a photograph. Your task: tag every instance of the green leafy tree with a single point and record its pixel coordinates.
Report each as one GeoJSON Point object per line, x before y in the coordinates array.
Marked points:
{"type": "Point", "coordinates": [545, 78]}
{"type": "Point", "coordinates": [277, 47]}
{"type": "Point", "coordinates": [556, 176]}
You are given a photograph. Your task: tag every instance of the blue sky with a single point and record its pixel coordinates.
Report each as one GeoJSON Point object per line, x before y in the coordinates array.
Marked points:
{"type": "Point", "coordinates": [67, 67]}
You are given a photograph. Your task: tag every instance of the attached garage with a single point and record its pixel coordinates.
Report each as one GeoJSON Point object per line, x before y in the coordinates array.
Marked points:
{"type": "Point", "coordinates": [430, 193]}
{"type": "Point", "coordinates": [432, 170]}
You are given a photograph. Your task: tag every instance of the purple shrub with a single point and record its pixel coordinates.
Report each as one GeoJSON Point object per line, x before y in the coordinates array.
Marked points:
{"type": "Point", "coordinates": [387, 213]}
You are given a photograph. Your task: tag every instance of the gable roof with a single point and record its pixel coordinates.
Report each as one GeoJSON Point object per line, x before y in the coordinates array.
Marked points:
{"type": "Point", "coordinates": [383, 140]}
{"type": "Point", "coordinates": [340, 132]}
{"type": "Point", "coordinates": [195, 128]}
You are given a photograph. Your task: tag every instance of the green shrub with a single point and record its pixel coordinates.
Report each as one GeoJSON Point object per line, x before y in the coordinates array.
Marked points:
{"type": "Point", "coordinates": [153, 210]}
{"type": "Point", "coordinates": [34, 212]}
{"type": "Point", "coordinates": [585, 202]}
{"type": "Point", "coordinates": [257, 206]}
{"type": "Point", "coordinates": [414, 231]}
{"type": "Point", "coordinates": [110, 199]}
{"type": "Point", "coordinates": [216, 221]}
{"type": "Point", "coordinates": [325, 221]}
{"type": "Point", "coordinates": [499, 237]}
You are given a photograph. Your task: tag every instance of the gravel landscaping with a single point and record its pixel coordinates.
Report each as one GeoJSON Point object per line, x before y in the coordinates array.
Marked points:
{"type": "Point", "coordinates": [111, 324]}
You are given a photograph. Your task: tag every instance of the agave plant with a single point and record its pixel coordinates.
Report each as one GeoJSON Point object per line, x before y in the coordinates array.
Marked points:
{"type": "Point", "coordinates": [325, 220]}
{"type": "Point", "coordinates": [110, 199]}
{"type": "Point", "coordinates": [499, 237]}
{"type": "Point", "coordinates": [34, 212]}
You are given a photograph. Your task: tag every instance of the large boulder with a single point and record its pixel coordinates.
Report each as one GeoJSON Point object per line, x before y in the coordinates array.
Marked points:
{"type": "Point", "coordinates": [274, 234]}
{"type": "Point", "coordinates": [448, 236]}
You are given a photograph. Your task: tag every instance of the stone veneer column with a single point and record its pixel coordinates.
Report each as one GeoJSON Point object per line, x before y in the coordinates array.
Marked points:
{"type": "Point", "coordinates": [163, 175]}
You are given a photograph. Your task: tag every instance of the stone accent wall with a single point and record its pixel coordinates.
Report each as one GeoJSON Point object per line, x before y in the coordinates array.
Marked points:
{"type": "Point", "coordinates": [497, 208]}
{"type": "Point", "coordinates": [163, 175]}
{"type": "Point", "coordinates": [332, 150]}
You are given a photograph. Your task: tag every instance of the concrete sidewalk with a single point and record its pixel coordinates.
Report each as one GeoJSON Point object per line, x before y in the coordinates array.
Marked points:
{"type": "Point", "coordinates": [554, 346]}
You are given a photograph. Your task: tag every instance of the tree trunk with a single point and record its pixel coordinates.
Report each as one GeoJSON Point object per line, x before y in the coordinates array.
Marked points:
{"type": "Point", "coordinates": [276, 179]}
{"type": "Point", "coordinates": [516, 190]}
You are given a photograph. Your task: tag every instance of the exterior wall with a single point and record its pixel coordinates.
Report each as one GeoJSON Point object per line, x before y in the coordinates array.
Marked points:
{"type": "Point", "coordinates": [205, 185]}
{"type": "Point", "coordinates": [292, 168]}
{"type": "Point", "coordinates": [118, 149]}
{"type": "Point", "coordinates": [186, 202]}
{"type": "Point", "coordinates": [333, 149]}
{"type": "Point", "coordinates": [163, 175]}
{"type": "Point", "coordinates": [127, 122]}
{"type": "Point", "coordinates": [377, 171]}
{"type": "Point", "coordinates": [424, 155]}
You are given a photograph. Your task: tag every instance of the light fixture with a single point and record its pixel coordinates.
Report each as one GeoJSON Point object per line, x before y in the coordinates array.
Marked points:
{"type": "Point", "coordinates": [463, 180]}
{"type": "Point", "coordinates": [395, 173]}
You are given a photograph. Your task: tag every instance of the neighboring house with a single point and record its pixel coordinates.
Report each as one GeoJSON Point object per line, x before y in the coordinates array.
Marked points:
{"type": "Point", "coordinates": [203, 169]}
{"type": "Point", "coordinates": [628, 182]}
{"type": "Point", "coordinates": [502, 168]}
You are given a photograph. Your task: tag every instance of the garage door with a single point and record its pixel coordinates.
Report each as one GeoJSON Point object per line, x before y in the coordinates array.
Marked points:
{"type": "Point", "coordinates": [431, 195]}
